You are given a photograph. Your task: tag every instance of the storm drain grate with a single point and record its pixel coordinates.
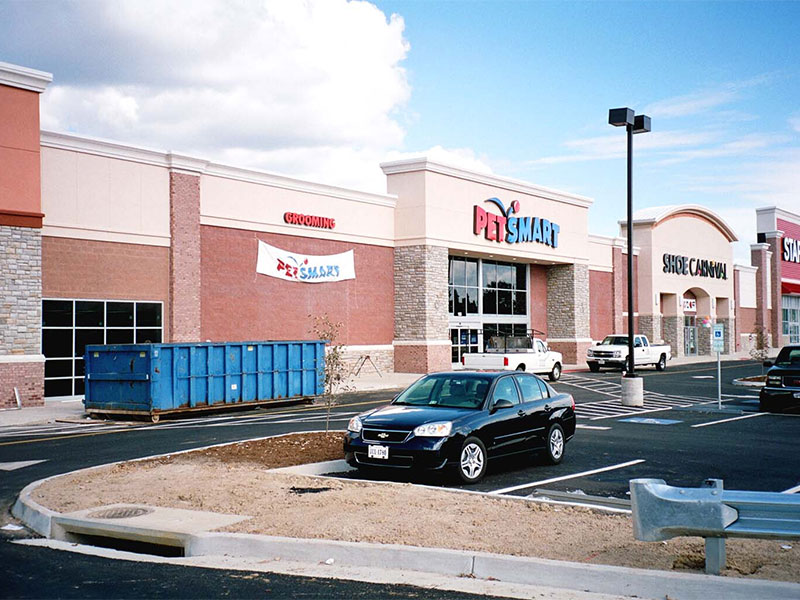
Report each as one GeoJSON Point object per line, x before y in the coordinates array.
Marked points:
{"type": "Point", "coordinates": [308, 490]}
{"type": "Point", "coordinates": [120, 512]}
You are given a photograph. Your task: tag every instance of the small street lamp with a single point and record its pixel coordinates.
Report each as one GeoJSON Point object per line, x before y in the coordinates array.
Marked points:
{"type": "Point", "coordinates": [619, 117]}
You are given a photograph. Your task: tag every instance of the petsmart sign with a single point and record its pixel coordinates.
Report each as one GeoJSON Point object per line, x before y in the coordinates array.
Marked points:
{"type": "Point", "coordinates": [513, 230]}
{"type": "Point", "coordinates": [304, 268]}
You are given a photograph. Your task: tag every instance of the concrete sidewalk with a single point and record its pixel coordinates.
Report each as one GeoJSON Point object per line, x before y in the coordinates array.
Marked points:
{"type": "Point", "coordinates": [368, 380]}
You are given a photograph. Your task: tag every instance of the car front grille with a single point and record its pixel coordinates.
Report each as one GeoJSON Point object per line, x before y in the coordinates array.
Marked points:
{"type": "Point", "coordinates": [791, 381]}
{"type": "Point", "coordinates": [603, 354]}
{"type": "Point", "coordinates": [388, 436]}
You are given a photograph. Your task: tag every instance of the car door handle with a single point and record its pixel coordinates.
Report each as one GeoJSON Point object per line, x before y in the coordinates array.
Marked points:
{"type": "Point", "coordinates": [521, 413]}
{"type": "Point", "coordinates": [547, 407]}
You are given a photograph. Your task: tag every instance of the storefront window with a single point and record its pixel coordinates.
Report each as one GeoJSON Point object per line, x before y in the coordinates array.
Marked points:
{"type": "Point", "coordinates": [463, 286]}
{"type": "Point", "coordinates": [504, 289]}
{"type": "Point", "coordinates": [791, 318]}
{"type": "Point", "coordinates": [68, 326]}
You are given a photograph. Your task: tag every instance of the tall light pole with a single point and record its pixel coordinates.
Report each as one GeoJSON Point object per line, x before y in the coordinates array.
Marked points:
{"type": "Point", "coordinates": [633, 124]}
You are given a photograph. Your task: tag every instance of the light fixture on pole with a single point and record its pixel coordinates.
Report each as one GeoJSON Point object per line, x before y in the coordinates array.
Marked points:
{"type": "Point", "coordinates": [633, 123]}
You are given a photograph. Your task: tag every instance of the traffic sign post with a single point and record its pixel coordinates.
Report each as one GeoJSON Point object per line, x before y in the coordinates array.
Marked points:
{"type": "Point", "coordinates": [718, 345]}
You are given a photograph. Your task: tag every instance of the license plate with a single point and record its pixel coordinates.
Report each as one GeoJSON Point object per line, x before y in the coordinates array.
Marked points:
{"type": "Point", "coordinates": [381, 452]}
{"type": "Point", "coordinates": [601, 362]}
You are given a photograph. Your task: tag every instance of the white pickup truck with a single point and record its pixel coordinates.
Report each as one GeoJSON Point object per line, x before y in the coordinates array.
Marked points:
{"type": "Point", "coordinates": [520, 353]}
{"type": "Point", "coordinates": [613, 352]}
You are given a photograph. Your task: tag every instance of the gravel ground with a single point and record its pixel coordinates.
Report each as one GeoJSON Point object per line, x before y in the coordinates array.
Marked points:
{"type": "Point", "coordinates": [397, 513]}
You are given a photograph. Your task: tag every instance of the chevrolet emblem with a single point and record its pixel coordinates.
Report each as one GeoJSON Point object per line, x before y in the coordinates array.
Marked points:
{"type": "Point", "coordinates": [383, 436]}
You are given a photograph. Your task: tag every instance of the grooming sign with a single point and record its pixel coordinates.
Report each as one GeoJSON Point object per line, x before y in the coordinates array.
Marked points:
{"type": "Point", "coordinates": [512, 229]}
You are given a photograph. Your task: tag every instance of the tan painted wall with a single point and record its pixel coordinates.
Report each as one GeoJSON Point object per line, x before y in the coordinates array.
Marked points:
{"type": "Point", "coordinates": [86, 196]}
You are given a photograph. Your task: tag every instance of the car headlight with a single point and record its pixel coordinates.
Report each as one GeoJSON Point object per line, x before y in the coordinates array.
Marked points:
{"type": "Point", "coordinates": [774, 380]}
{"type": "Point", "coordinates": [590, 352]}
{"type": "Point", "coordinates": [441, 429]}
{"type": "Point", "coordinates": [354, 426]}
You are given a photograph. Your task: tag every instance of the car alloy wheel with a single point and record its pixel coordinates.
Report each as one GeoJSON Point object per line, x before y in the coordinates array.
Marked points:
{"type": "Point", "coordinates": [472, 461]}
{"type": "Point", "coordinates": [555, 444]}
{"type": "Point", "coordinates": [662, 363]}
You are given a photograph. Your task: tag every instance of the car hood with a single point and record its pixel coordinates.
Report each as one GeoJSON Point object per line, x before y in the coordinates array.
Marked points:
{"type": "Point", "coordinates": [408, 417]}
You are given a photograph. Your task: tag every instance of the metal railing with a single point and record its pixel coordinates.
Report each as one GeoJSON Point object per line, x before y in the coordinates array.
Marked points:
{"type": "Point", "coordinates": [661, 512]}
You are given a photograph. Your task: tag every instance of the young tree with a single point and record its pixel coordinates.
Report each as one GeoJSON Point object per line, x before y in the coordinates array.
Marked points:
{"type": "Point", "coordinates": [759, 350]}
{"type": "Point", "coordinates": [334, 376]}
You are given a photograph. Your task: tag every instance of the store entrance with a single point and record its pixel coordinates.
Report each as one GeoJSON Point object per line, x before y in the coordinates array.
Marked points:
{"type": "Point", "coordinates": [690, 335]}
{"type": "Point", "coordinates": [464, 340]}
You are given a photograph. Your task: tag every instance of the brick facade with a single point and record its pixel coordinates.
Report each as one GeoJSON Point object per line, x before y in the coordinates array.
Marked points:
{"type": "Point", "coordinates": [184, 258]}
{"type": "Point", "coordinates": [760, 258]}
{"type": "Point", "coordinates": [568, 311]}
{"type": "Point", "coordinates": [421, 309]}
{"type": "Point", "coordinates": [603, 303]}
{"type": "Point", "coordinates": [776, 276]}
{"type": "Point", "coordinates": [239, 304]}
{"type": "Point", "coordinates": [27, 377]}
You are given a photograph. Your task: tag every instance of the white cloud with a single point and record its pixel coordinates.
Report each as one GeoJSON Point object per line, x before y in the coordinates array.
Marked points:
{"type": "Point", "coordinates": [700, 102]}
{"type": "Point", "coordinates": [794, 123]}
{"type": "Point", "coordinates": [310, 88]}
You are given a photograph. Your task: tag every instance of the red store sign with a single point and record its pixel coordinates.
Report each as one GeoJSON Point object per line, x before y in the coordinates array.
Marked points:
{"type": "Point", "coordinates": [309, 220]}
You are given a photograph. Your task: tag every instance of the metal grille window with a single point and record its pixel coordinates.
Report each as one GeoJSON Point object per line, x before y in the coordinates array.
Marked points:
{"type": "Point", "coordinates": [68, 326]}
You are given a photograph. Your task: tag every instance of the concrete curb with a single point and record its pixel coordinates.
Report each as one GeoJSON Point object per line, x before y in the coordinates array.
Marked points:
{"type": "Point", "coordinates": [564, 575]}
{"type": "Point", "coordinates": [749, 384]}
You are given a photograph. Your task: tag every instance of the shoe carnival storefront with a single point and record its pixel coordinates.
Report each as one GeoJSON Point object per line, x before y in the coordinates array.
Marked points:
{"type": "Point", "coordinates": [479, 254]}
{"type": "Point", "coordinates": [685, 276]}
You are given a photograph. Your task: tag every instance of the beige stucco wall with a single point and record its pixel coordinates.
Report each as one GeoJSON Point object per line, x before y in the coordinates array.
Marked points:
{"type": "Point", "coordinates": [436, 203]}
{"type": "Point", "coordinates": [260, 205]}
{"type": "Point", "coordinates": [683, 235]}
{"type": "Point", "coordinates": [86, 196]}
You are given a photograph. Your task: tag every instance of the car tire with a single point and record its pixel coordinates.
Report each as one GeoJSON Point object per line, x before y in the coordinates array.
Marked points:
{"type": "Point", "coordinates": [555, 444]}
{"type": "Point", "coordinates": [520, 367]}
{"type": "Point", "coordinates": [594, 367]}
{"type": "Point", "coordinates": [472, 460]}
{"type": "Point", "coordinates": [764, 405]}
{"type": "Point", "coordinates": [662, 363]}
{"type": "Point", "coordinates": [555, 374]}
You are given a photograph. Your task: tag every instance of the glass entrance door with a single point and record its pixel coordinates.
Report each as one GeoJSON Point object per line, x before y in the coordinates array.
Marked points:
{"type": "Point", "coordinates": [689, 336]}
{"type": "Point", "coordinates": [464, 340]}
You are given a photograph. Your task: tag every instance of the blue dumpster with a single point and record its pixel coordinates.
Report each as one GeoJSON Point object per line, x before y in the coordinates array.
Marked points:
{"type": "Point", "coordinates": [154, 379]}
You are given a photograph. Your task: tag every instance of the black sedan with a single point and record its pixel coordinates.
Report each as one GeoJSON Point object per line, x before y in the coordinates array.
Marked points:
{"type": "Point", "coordinates": [782, 389]}
{"type": "Point", "coordinates": [462, 419]}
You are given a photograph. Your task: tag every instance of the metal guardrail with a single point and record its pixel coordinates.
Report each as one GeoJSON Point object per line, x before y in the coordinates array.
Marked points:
{"type": "Point", "coordinates": [661, 512]}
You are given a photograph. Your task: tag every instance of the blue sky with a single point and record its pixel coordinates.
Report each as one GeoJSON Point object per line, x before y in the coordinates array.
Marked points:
{"type": "Point", "coordinates": [327, 89]}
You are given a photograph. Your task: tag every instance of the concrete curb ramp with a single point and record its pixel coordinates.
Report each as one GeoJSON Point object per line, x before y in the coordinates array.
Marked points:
{"type": "Point", "coordinates": [189, 530]}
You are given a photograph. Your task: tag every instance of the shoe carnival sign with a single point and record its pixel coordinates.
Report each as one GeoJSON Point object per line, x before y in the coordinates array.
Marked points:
{"type": "Point", "coordinates": [304, 268]}
{"type": "Point", "coordinates": [699, 267]}
{"type": "Point", "coordinates": [513, 230]}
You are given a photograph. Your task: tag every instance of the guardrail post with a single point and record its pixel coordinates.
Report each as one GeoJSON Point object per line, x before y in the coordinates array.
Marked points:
{"type": "Point", "coordinates": [715, 555]}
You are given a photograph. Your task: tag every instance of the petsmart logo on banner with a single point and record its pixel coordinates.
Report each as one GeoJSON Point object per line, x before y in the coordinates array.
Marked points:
{"type": "Point", "coordinates": [304, 268]}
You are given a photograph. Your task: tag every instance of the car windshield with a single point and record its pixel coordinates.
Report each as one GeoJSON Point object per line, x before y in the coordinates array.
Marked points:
{"type": "Point", "coordinates": [615, 340]}
{"type": "Point", "coordinates": [788, 357]}
{"type": "Point", "coordinates": [454, 391]}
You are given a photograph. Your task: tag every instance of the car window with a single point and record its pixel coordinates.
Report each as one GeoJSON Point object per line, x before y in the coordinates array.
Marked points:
{"type": "Point", "coordinates": [419, 392]}
{"type": "Point", "coordinates": [544, 388]}
{"type": "Point", "coordinates": [530, 388]}
{"type": "Point", "coordinates": [452, 391]}
{"type": "Point", "coordinates": [788, 356]}
{"type": "Point", "coordinates": [637, 342]}
{"type": "Point", "coordinates": [505, 389]}
{"type": "Point", "coordinates": [540, 346]}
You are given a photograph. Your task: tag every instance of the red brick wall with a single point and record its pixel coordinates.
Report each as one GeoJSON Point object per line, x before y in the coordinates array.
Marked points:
{"type": "Point", "coordinates": [624, 294]}
{"type": "Point", "coordinates": [422, 359]}
{"type": "Point", "coordinates": [184, 225]}
{"type": "Point", "coordinates": [538, 300]}
{"type": "Point", "coordinates": [601, 304]}
{"type": "Point", "coordinates": [238, 304]}
{"type": "Point", "coordinates": [27, 377]}
{"type": "Point", "coordinates": [104, 270]}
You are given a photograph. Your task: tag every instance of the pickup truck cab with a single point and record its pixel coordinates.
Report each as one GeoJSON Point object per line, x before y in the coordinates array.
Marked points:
{"type": "Point", "coordinates": [520, 353]}
{"type": "Point", "coordinates": [613, 352]}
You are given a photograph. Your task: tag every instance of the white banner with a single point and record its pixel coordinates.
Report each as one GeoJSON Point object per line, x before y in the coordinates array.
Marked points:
{"type": "Point", "coordinates": [304, 268]}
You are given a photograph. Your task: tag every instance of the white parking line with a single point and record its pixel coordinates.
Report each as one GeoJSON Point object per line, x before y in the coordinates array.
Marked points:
{"type": "Point", "coordinates": [595, 427]}
{"type": "Point", "coordinates": [573, 476]}
{"type": "Point", "coordinates": [729, 420]}
{"type": "Point", "coordinates": [793, 490]}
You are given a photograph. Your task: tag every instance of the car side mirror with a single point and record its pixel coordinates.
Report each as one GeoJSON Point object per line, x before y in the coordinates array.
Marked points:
{"type": "Point", "coordinates": [501, 403]}
{"type": "Point", "coordinates": [767, 363]}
